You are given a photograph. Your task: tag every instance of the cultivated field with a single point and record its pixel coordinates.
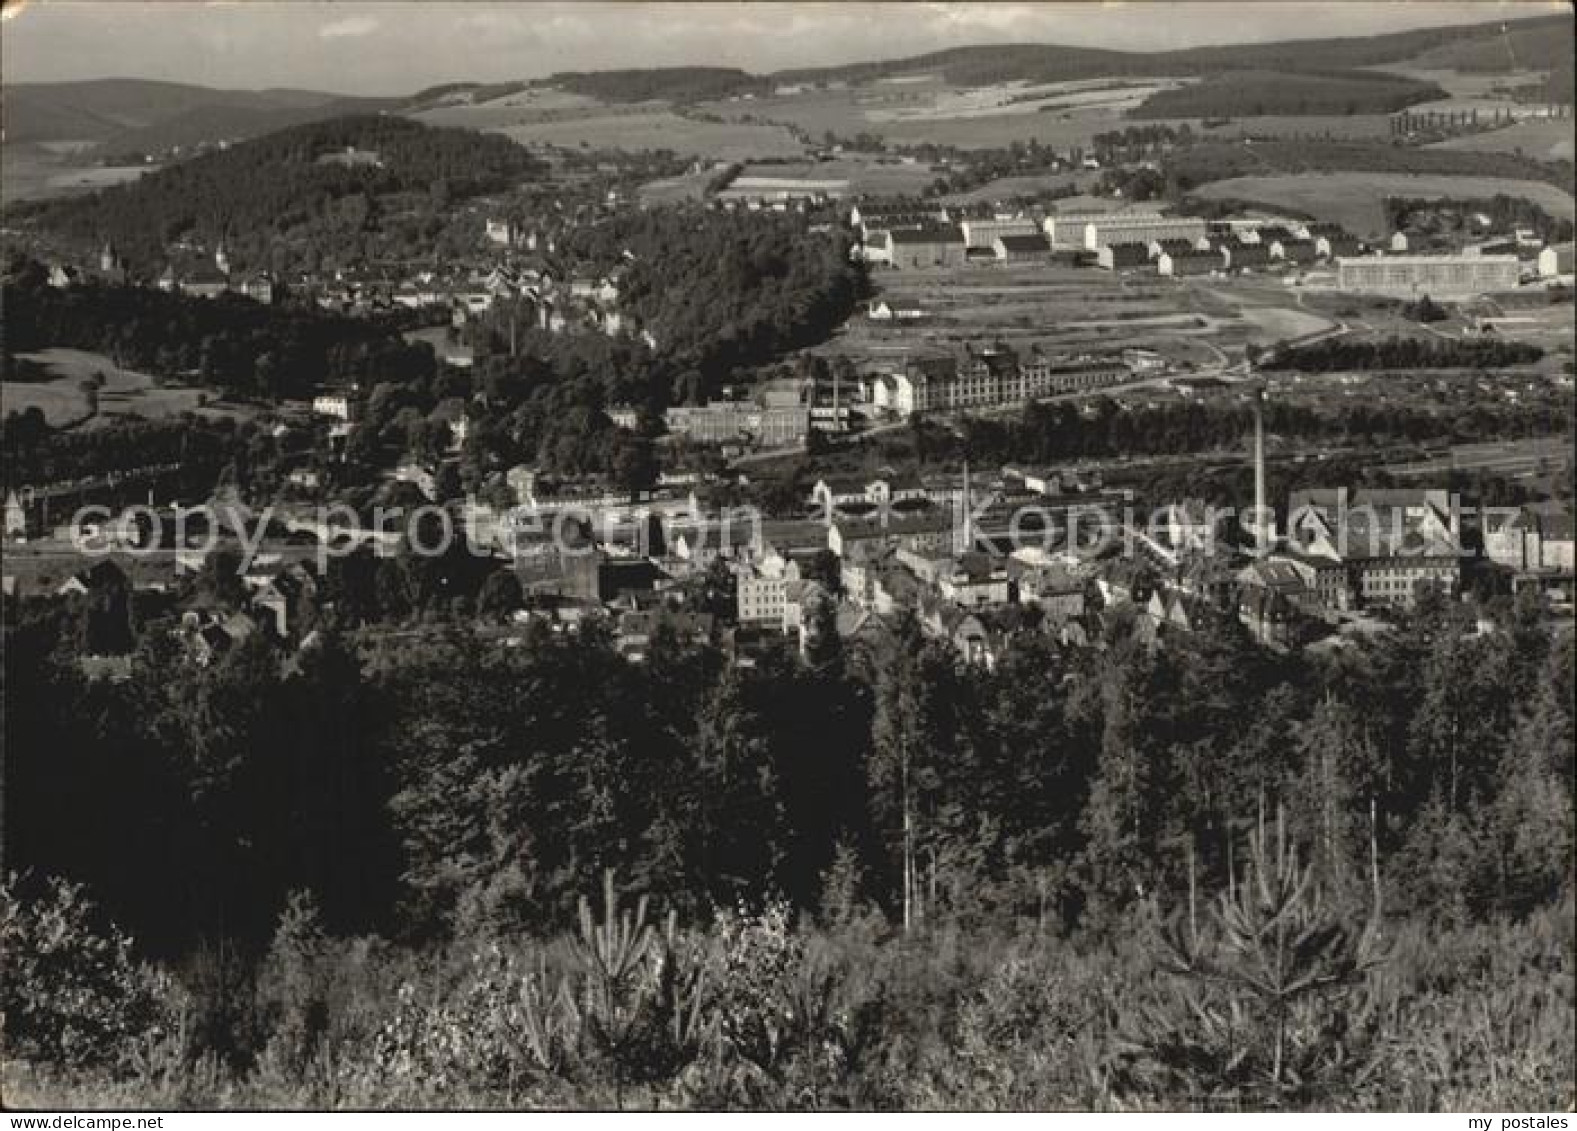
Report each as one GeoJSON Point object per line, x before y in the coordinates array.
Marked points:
{"type": "Point", "coordinates": [569, 120]}
{"type": "Point", "coordinates": [124, 393]}
{"type": "Point", "coordinates": [1203, 323]}
{"type": "Point", "coordinates": [928, 110]}
{"type": "Point", "coordinates": [1356, 200]}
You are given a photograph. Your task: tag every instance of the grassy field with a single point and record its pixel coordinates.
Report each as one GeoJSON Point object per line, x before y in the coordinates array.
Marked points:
{"type": "Point", "coordinates": [1544, 138]}
{"type": "Point", "coordinates": [671, 190]}
{"type": "Point", "coordinates": [1031, 184]}
{"type": "Point", "coordinates": [863, 174]}
{"type": "Point", "coordinates": [1355, 126]}
{"type": "Point", "coordinates": [1356, 200]}
{"type": "Point", "coordinates": [124, 393]}
{"type": "Point", "coordinates": [33, 172]}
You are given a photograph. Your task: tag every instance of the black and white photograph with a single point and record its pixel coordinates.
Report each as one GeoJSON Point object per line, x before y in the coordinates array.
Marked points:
{"type": "Point", "coordinates": [771, 556]}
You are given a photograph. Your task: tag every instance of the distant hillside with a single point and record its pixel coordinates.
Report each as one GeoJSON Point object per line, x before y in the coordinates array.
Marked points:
{"type": "Point", "coordinates": [1042, 63]}
{"type": "Point", "coordinates": [276, 188]}
{"type": "Point", "coordinates": [122, 115]}
{"type": "Point", "coordinates": [1522, 47]}
{"type": "Point", "coordinates": [670, 84]}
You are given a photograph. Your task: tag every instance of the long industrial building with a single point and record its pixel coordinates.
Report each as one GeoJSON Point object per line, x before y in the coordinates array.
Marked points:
{"type": "Point", "coordinates": [984, 233]}
{"type": "Point", "coordinates": [1438, 276]}
{"type": "Point", "coordinates": [1093, 231]}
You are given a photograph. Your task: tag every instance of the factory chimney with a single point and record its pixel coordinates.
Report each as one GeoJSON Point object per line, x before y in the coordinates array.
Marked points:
{"type": "Point", "coordinates": [1263, 522]}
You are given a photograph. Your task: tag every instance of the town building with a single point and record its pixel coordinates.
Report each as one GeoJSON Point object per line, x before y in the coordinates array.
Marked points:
{"type": "Point", "coordinates": [1029, 247]}
{"type": "Point", "coordinates": [1123, 256]}
{"type": "Point", "coordinates": [920, 248]}
{"type": "Point", "coordinates": [762, 589]}
{"type": "Point", "coordinates": [1439, 276]}
{"type": "Point", "coordinates": [1139, 227]}
{"type": "Point", "coordinates": [734, 422]}
{"type": "Point", "coordinates": [1175, 264]}
{"type": "Point", "coordinates": [1375, 547]}
{"type": "Point", "coordinates": [1238, 255]}
{"type": "Point", "coordinates": [339, 405]}
{"type": "Point", "coordinates": [980, 233]}
{"type": "Point", "coordinates": [1555, 260]}
{"type": "Point", "coordinates": [988, 377]}
{"type": "Point", "coordinates": [890, 215]}
{"type": "Point", "coordinates": [925, 531]}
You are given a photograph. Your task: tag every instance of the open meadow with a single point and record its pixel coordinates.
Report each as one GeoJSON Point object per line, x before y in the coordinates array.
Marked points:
{"type": "Point", "coordinates": [30, 172]}
{"type": "Point", "coordinates": [1547, 139]}
{"type": "Point", "coordinates": [65, 400]}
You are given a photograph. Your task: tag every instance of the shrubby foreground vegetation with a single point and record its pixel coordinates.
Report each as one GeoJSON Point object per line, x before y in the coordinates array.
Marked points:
{"type": "Point", "coordinates": [1098, 877]}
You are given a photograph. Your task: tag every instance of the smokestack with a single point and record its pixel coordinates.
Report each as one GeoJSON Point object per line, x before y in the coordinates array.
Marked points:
{"type": "Point", "coordinates": [966, 541]}
{"type": "Point", "coordinates": [1261, 532]}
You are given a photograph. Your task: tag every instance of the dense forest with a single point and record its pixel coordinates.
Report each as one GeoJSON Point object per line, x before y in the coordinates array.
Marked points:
{"type": "Point", "coordinates": [720, 292]}
{"type": "Point", "coordinates": [669, 84]}
{"type": "Point", "coordinates": [1334, 354]}
{"type": "Point", "coordinates": [286, 186]}
{"type": "Point", "coordinates": [1051, 433]}
{"type": "Point", "coordinates": [34, 453]}
{"type": "Point", "coordinates": [230, 344]}
{"type": "Point", "coordinates": [1433, 216]}
{"type": "Point", "coordinates": [338, 858]}
{"type": "Point", "coordinates": [1257, 93]}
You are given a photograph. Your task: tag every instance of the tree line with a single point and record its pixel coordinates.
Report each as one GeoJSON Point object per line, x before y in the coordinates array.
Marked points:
{"type": "Point", "coordinates": [1396, 352]}
{"type": "Point", "coordinates": [230, 344]}
{"type": "Point", "coordinates": [424, 789]}
{"type": "Point", "coordinates": [1054, 432]}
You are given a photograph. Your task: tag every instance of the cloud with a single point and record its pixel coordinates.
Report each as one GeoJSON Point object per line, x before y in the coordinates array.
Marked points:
{"type": "Point", "coordinates": [351, 28]}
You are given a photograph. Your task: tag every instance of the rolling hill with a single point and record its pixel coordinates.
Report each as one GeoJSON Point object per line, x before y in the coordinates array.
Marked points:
{"type": "Point", "coordinates": [120, 115]}
{"type": "Point", "coordinates": [981, 65]}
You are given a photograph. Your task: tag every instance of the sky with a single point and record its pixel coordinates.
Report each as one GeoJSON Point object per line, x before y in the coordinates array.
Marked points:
{"type": "Point", "coordinates": [398, 47]}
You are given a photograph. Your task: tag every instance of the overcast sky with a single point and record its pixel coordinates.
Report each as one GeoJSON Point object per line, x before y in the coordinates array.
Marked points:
{"type": "Point", "coordinates": [363, 47]}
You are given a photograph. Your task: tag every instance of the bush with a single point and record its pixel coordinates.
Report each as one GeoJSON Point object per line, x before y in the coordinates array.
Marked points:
{"type": "Point", "coordinates": [72, 995]}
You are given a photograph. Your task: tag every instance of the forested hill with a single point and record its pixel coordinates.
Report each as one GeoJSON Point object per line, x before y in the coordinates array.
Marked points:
{"type": "Point", "coordinates": [286, 181]}
{"type": "Point", "coordinates": [673, 84]}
